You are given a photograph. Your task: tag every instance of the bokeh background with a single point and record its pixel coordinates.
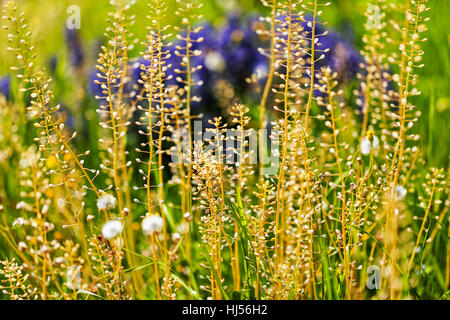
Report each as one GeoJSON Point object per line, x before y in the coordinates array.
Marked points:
{"type": "Point", "coordinates": [48, 19]}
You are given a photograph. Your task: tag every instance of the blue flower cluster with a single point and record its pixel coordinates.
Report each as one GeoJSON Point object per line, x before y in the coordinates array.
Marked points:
{"type": "Point", "coordinates": [75, 47]}
{"type": "Point", "coordinates": [342, 57]}
{"type": "Point", "coordinates": [230, 56]}
{"type": "Point", "coordinates": [339, 54]}
{"type": "Point", "coordinates": [5, 86]}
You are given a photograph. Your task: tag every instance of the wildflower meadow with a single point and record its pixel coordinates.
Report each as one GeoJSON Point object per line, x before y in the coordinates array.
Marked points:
{"type": "Point", "coordinates": [224, 150]}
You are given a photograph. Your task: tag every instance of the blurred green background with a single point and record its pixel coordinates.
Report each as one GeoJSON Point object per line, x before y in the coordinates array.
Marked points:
{"type": "Point", "coordinates": [47, 19]}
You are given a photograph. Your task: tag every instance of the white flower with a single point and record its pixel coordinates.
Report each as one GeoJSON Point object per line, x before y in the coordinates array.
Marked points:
{"type": "Point", "coordinates": [22, 246]}
{"type": "Point", "coordinates": [73, 277]}
{"type": "Point", "coordinates": [112, 229]}
{"type": "Point", "coordinates": [106, 201]}
{"type": "Point", "coordinates": [214, 61]}
{"type": "Point", "coordinates": [367, 146]}
{"type": "Point", "coordinates": [261, 70]}
{"type": "Point", "coordinates": [23, 205]}
{"type": "Point", "coordinates": [151, 224]}
{"type": "Point", "coordinates": [183, 227]}
{"type": "Point", "coordinates": [19, 222]}
{"type": "Point", "coordinates": [400, 192]}
{"type": "Point", "coordinates": [176, 237]}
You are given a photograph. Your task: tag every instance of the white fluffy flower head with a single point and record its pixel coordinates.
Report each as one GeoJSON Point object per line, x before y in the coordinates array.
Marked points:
{"type": "Point", "coordinates": [400, 192]}
{"type": "Point", "coordinates": [152, 224]}
{"type": "Point", "coordinates": [367, 146]}
{"type": "Point", "coordinates": [19, 222]}
{"type": "Point", "coordinates": [214, 61]}
{"type": "Point", "coordinates": [112, 229]}
{"type": "Point", "coordinates": [106, 201]}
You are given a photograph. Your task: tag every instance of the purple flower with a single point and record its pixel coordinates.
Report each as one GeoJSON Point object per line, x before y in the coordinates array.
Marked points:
{"type": "Point", "coordinates": [238, 45]}
{"type": "Point", "coordinates": [209, 36]}
{"type": "Point", "coordinates": [75, 47]}
{"type": "Point", "coordinates": [95, 88]}
{"type": "Point", "coordinates": [205, 121]}
{"type": "Point", "coordinates": [134, 88]}
{"type": "Point", "coordinates": [96, 80]}
{"type": "Point", "coordinates": [210, 60]}
{"type": "Point", "coordinates": [343, 58]}
{"type": "Point", "coordinates": [64, 114]}
{"type": "Point", "coordinates": [308, 25]}
{"type": "Point", "coordinates": [5, 86]}
{"type": "Point", "coordinates": [261, 68]}
{"type": "Point", "coordinates": [53, 64]}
